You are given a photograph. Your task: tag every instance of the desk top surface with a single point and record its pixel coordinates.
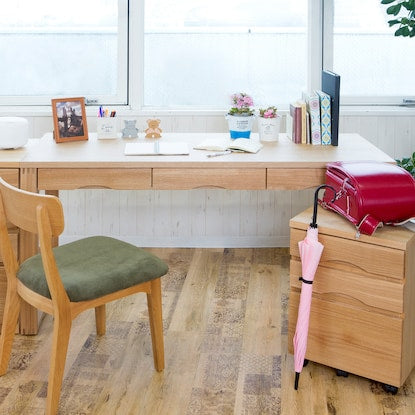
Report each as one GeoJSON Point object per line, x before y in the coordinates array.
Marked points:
{"type": "Point", "coordinates": [110, 153]}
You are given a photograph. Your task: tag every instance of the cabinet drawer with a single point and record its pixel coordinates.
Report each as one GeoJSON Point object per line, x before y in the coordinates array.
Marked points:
{"type": "Point", "coordinates": [294, 179]}
{"type": "Point", "coordinates": [236, 179]}
{"type": "Point", "coordinates": [364, 343]}
{"type": "Point", "coordinates": [343, 286]}
{"type": "Point", "coordinates": [11, 176]}
{"type": "Point", "coordinates": [355, 256]}
{"type": "Point", "coordinates": [118, 179]}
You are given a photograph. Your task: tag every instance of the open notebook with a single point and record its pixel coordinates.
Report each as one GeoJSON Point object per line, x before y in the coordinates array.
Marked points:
{"type": "Point", "coordinates": [156, 149]}
{"type": "Point", "coordinates": [240, 144]}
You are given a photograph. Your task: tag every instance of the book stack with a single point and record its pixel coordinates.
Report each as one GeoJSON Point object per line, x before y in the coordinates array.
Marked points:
{"type": "Point", "coordinates": [315, 118]}
{"type": "Point", "coordinates": [309, 120]}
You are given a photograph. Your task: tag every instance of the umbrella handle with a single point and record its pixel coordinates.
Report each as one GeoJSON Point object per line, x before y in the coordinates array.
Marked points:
{"type": "Point", "coordinates": [313, 224]}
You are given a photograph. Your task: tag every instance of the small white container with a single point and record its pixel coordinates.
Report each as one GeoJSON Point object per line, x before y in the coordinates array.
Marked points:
{"type": "Point", "coordinates": [107, 127]}
{"type": "Point", "coordinates": [14, 132]}
{"type": "Point", "coordinates": [269, 128]}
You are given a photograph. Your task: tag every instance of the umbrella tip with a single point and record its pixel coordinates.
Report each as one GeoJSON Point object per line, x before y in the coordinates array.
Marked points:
{"type": "Point", "coordinates": [297, 378]}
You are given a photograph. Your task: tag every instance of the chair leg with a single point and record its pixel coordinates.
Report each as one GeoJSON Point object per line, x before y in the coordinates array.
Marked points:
{"type": "Point", "coordinates": [100, 319]}
{"type": "Point", "coordinates": [8, 329]}
{"type": "Point", "coordinates": [61, 333]}
{"type": "Point", "coordinates": [156, 323]}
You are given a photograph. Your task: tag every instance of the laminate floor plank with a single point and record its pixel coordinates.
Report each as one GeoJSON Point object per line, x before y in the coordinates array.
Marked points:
{"type": "Point", "coordinates": [225, 325]}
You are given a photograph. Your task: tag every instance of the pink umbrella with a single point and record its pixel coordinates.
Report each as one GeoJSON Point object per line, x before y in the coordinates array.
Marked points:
{"type": "Point", "coordinates": [310, 254]}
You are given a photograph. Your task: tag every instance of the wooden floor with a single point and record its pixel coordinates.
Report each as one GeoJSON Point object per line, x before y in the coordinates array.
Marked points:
{"type": "Point", "coordinates": [225, 319]}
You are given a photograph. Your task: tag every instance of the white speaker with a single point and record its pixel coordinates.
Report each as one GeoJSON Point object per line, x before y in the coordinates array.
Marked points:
{"type": "Point", "coordinates": [14, 132]}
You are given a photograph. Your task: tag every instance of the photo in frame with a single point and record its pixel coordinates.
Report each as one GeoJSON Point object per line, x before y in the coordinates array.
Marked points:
{"type": "Point", "coordinates": [69, 119]}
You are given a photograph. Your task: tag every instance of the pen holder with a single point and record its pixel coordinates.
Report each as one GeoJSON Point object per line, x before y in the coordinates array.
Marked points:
{"type": "Point", "coordinates": [106, 127]}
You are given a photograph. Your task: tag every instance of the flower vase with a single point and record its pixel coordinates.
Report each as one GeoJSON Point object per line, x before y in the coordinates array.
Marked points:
{"type": "Point", "coordinates": [240, 126]}
{"type": "Point", "coordinates": [269, 128]}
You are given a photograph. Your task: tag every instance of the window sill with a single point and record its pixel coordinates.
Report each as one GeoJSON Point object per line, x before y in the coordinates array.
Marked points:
{"type": "Point", "coordinates": [125, 111]}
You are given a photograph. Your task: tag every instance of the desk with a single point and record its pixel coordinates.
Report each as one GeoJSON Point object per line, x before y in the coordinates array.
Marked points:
{"type": "Point", "coordinates": [45, 165]}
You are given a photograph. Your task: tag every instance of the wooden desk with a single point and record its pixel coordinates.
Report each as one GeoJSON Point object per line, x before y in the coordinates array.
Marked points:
{"type": "Point", "coordinates": [45, 165]}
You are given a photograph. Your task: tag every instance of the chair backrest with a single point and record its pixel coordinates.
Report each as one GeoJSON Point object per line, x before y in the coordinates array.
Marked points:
{"type": "Point", "coordinates": [39, 214]}
{"type": "Point", "coordinates": [21, 209]}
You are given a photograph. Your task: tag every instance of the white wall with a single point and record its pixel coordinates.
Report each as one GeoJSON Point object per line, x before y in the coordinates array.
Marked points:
{"type": "Point", "coordinates": [213, 218]}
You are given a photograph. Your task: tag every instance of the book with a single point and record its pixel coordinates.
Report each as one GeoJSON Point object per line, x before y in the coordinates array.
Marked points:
{"type": "Point", "coordinates": [303, 107]}
{"type": "Point", "coordinates": [289, 126]}
{"type": "Point", "coordinates": [325, 104]}
{"type": "Point", "coordinates": [239, 144]}
{"type": "Point", "coordinates": [156, 149]}
{"type": "Point", "coordinates": [330, 84]}
{"type": "Point", "coordinates": [313, 107]}
{"type": "Point", "coordinates": [295, 112]}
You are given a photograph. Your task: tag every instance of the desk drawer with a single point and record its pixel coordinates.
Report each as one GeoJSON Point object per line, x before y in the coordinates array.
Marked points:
{"type": "Point", "coordinates": [234, 179]}
{"type": "Point", "coordinates": [347, 287]}
{"type": "Point", "coordinates": [118, 179]}
{"type": "Point", "coordinates": [355, 256]}
{"type": "Point", "coordinates": [294, 179]}
{"type": "Point", "coordinates": [11, 176]}
{"type": "Point", "coordinates": [348, 338]}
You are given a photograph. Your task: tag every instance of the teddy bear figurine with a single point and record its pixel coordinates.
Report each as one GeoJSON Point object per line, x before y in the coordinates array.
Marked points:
{"type": "Point", "coordinates": [130, 130]}
{"type": "Point", "coordinates": [153, 130]}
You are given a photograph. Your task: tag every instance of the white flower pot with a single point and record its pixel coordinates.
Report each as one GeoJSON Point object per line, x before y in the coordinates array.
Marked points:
{"type": "Point", "coordinates": [269, 128]}
{"type": "Point", "coordinates": [240, 126]}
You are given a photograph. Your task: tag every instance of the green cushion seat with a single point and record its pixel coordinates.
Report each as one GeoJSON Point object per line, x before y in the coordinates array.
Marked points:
{"type": "Point", "coordinates": [93, 267]}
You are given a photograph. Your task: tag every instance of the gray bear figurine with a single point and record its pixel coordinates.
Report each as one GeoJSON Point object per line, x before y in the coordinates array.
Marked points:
{"type": "Point", "coordinates": [130, 130]}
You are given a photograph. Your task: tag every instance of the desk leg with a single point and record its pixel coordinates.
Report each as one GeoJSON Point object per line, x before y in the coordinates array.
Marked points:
{"type": "Point", "coordinates": [29, 320]}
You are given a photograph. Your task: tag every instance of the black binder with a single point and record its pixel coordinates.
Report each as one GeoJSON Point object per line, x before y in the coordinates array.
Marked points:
{"type": "Point", "coordinates": [330, 84]}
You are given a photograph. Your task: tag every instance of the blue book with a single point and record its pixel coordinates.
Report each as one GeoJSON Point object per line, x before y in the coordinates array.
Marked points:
{"type": "Point", "coordinates": [330, 84]}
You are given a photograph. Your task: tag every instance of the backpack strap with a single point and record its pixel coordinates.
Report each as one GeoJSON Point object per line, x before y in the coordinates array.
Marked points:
{"type": "Point", "coordinates": [368, 225]}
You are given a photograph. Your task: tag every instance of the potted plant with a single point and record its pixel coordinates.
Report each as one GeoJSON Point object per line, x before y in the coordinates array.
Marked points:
{"type": "Point", "coordinates": [408, 163]}
{"type": "Point", "coordinates": [268, 124]}
{"type": "Point", "coordinates": [241, 115]}
{"type": "Point", "coordinates": [406, 23]}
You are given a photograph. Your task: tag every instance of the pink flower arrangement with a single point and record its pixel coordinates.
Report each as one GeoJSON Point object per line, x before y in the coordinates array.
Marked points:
{"type": "Point", "coordinates": [270, 112]}
{"type": "Point", "coordinates": [242, 104]}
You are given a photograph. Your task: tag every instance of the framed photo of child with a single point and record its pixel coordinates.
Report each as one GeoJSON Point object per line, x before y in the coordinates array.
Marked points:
{"type": "Point", "coordinates": [69, 119]}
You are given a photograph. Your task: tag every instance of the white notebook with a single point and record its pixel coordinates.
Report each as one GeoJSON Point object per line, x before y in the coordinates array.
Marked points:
{"type": "Point", "coordinates": [156, 149]}
{"type": "Point", "coordinates": [240, 144]}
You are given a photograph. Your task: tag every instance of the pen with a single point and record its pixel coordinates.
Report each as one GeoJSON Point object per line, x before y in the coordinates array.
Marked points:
{"type": "Point", "coordinates": [220, 153]}
{"type": "Point", "coordinates": [100, 112]}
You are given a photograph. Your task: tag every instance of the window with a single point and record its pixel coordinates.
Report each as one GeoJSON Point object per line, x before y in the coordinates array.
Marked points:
{"type": "Point", "coordinates": [193, 54]}
{"type": "Point", "coordinates": [51, 49]}
{"type": "Point", "coordinates": [198, 52]}
{"type": "Point", "coordinates": [376, 67]}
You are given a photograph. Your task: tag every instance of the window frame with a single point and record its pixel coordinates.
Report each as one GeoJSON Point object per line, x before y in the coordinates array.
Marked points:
{"type": "Point", "coordinates": [120, 98]}
{"type": "Point", "coordinates": [327, 45]}
{"type": "Point", "coordinates": [130, 77]}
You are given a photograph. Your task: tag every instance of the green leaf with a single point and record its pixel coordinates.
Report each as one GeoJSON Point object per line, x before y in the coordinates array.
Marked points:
{"type": "Point", "coordinates": [402, 31]}
{"type": "Point", "coordinates": [409, 5]}
{"type": "Point", "coordinates": [394, 9]}
{"type": "Point", "coordinates": [393, 22]}
{"type": "Point", "coordinates": [387, 1]}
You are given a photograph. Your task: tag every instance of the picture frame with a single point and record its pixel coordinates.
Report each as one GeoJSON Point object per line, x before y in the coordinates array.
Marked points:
{"type": "Point", "coordinates": [69, 119]}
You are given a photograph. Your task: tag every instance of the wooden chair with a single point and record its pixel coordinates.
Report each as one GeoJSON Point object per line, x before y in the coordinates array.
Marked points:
{"type": "Point", "coordinates": [66, 280]}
